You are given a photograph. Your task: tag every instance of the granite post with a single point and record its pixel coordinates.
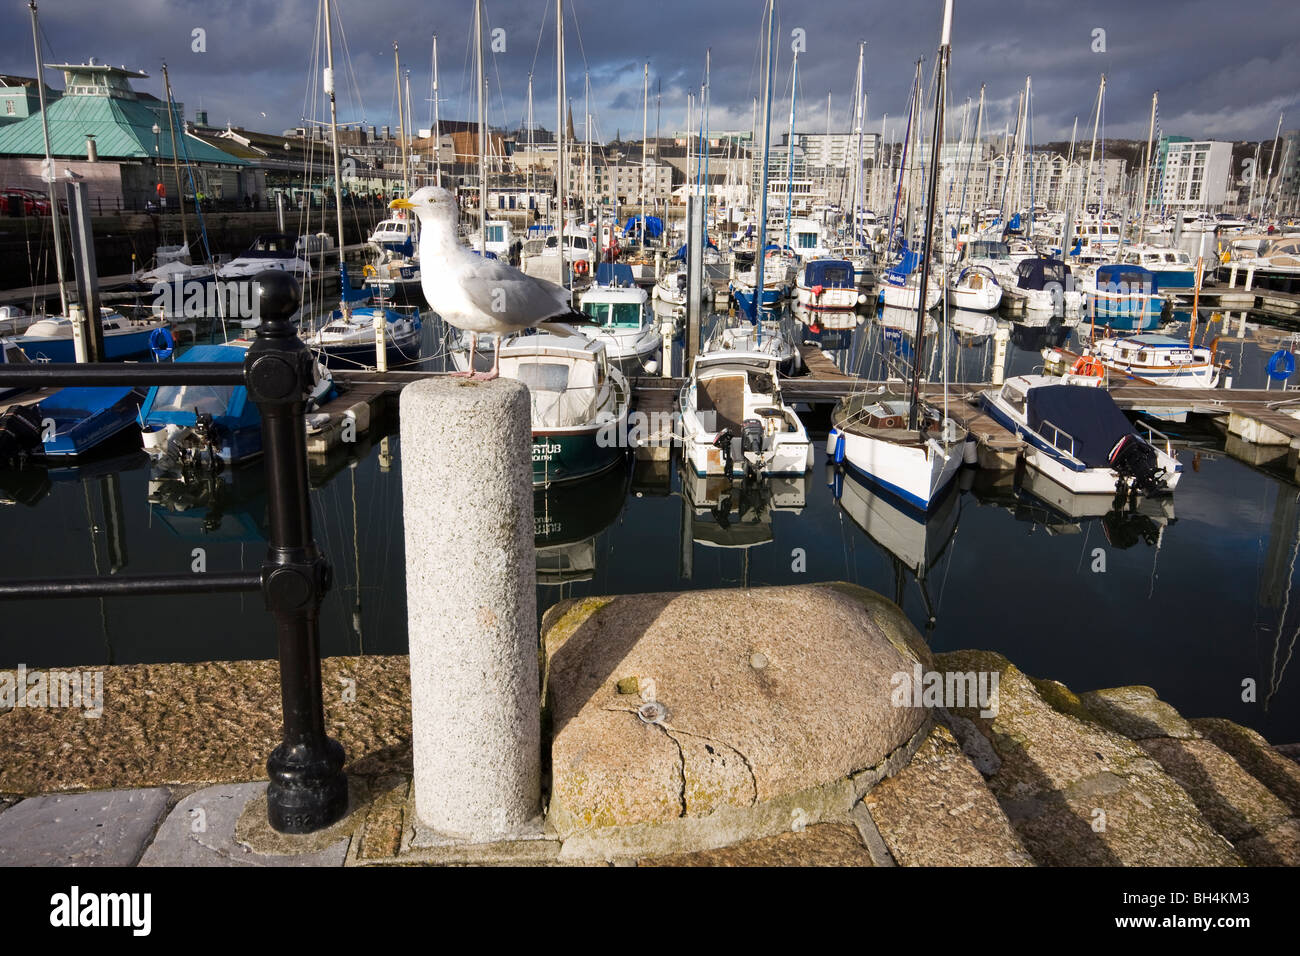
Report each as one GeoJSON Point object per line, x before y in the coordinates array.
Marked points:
{"type": "Point", "coordinates": [471, 606]}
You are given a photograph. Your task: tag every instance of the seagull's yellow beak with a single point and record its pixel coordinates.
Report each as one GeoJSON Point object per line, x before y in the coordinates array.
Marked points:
{"type": "Point", "coordinates": [401, 203]}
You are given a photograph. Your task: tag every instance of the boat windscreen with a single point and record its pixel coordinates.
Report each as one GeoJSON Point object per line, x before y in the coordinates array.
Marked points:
{"type": "Point", "coordinates": [1087, 414]}
{"type": "Point", "coordinates": [205, 399]}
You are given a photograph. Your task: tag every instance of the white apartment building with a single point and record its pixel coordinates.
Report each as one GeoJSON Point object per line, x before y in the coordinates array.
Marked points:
{"type": "Point", "coordinates": [1195, 174]}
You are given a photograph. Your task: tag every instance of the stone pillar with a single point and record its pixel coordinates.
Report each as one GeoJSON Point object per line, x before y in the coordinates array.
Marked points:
{"type": "Point", "coordinates": [471, 605]}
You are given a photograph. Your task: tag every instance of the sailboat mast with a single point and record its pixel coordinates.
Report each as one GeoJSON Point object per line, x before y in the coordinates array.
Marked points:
{"type": "Point", "coordinates": [767, 126]}
{"type": "Point", "coordinates": [704, 140]}
{"type": "Point", "coordinates": [1146, 174]}
{"type": "Point", "coordinates": [482, 128]}
{"type": "Point", "coordinates": [789, 160]}
{"type": "Point", "coordinates": [176, 167]}
{"type": "Point", "coordinates": [645, 117]}
{"type": "Point", "coordinates": [334, 138]}
{"type": "Point", "coordinates": [857, 130]}
{"type": "Point", "coordinates": [560, 144]}
{"type": "Point", "coordinates": [48, 171]}
{"type": "Point", "coordinates": [401, 119]}
{"type": "Point", "coordinates": [933, 189]}
{"type": "Point", "coordinates": [410, 117]}
{"type": "Point", "coordinates": [1092, 152]}
{"type": "Point", "coordinates": [437, 131]}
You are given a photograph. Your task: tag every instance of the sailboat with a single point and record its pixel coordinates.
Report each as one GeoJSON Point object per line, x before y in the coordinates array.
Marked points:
{"type": "Point", "coordinates": [352, 334]}
{"type": "Point", "coordinates": [902, 445]}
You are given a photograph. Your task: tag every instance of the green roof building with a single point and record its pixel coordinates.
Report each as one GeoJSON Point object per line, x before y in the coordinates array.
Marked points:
{"type": "Point", "coordinates": [104, 130]}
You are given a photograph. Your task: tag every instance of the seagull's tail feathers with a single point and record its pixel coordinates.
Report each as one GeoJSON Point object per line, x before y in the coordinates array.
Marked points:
{"type": "Point", "coordinates": [563, 324]}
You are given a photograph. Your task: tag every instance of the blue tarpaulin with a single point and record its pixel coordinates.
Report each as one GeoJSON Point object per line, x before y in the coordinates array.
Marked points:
{"type": "Point", "coordinates": [654, 226]}
{"type": "Point", "coordinates": [614, 273]}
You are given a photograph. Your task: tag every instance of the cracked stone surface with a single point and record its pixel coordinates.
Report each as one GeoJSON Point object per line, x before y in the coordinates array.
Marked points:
{"type": "Point", "coordinates": [213, 722]}
{"type": "Point", "coordinates": [937, 811]}
{"type": "Point", "coordinates": [200, 831]}
{"type": "Point", "coordinates": [822, 844]}
{"type": "Point", "coordinates": [755, 710]}
{"type": "Point", "coordinates": [1075, 792]}
{"type": "Point", "coordinates": [108, 828]}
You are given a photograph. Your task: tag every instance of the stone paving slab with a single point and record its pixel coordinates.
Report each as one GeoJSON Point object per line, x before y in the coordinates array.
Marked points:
{"type": "Point", "coordinates": [200, 831]}
{"type": "Point", "coordinates": [822, 844]}
{"type": "Point", "coordinates": [107, 828]}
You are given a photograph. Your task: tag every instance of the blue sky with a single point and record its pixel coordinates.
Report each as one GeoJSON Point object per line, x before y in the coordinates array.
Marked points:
{"type": "Point", "coordinates": [1223, 71]}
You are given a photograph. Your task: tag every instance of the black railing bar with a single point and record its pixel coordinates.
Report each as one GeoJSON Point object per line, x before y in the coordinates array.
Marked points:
{"type": "Point", "coordinates": [217, 582]}
{"type": "Point", "coordinates": [122, 373]}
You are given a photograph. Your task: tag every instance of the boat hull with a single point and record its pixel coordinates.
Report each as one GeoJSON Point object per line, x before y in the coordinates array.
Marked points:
{"type": "Point", "coordinates": [571, 454]}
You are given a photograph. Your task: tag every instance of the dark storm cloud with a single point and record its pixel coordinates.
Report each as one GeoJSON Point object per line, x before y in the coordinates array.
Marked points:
{"type": "Point", "coordinates": [1222, 70]}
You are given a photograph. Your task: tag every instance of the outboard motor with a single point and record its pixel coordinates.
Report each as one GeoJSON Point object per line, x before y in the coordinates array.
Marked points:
{"type": "Point", "coordinates": [20, 433]}
{"type": "Point", "coordinates": [1135, 462]}
{"type": "Point", "coordinates": [752, 431]}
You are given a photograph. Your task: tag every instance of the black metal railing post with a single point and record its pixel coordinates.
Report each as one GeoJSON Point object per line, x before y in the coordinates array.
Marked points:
{"type": "Point", "coordinates": [308, 789]}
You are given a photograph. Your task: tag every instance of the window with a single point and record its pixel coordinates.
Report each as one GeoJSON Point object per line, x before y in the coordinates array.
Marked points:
{"type": "Point", "coordinates": [204, 399]}
{"type": "Point", "coordinates": [10, 108]}
{"type": "Point", "coordinates": [543, 376]}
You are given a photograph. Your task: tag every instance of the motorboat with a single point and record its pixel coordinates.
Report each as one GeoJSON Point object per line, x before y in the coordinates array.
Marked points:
{"type": "Point", "coordinates": [210, 426]}
{"type": "Point", "coordinates": [1173, 268]}
{"type": "Point", "coordinates": [578, 401]}
{"type": "Point", "coordinates": [734, 421]}
{"type": "Point", "coordinates": [976, 289]}
{"type": "Point", "coordinates": [627, 327]}
{"type": "Point", "coordinates": [1077, 436]}
{"type": "Point", "coordinates": [69, 424]}
{"type": "Point", "coordinates": [1157, 358]}
{"type": "Point", "coordinates": [1124, 296]}
{"type": "Point", "coordinates": [768, 335]}
{"type": "Point", "coordinates": [828, 285]}
{"type": "Point", "coordinates": [272, 250]}
{"type": "Point", "coordinates": [51, 339]}
{"type": "Point", "coordinates": [1045, 285]}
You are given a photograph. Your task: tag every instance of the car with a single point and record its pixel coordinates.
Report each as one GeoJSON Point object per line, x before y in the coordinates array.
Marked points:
{"type": "Point", "coordinates": [17, 201]}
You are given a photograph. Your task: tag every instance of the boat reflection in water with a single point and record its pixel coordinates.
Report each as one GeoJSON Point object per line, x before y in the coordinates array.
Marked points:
{"type": "Point", "coordinates": [914, 544]}
{"type": "Point", "coordinates": [1035, 499]}
{"type": "Point", "coordinates": [201, 504]}
{"type": "Point", "coordinates": [568, 517]}
{"type": "Point", "coordinates": [734, 514]}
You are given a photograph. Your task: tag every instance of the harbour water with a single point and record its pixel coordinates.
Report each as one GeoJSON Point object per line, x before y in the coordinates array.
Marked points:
{"type": "Point", "coordinates": [1192, 595]}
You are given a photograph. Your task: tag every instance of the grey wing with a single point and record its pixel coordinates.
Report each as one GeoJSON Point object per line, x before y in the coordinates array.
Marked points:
{"type": "Point", "coordinates": [509, 295]}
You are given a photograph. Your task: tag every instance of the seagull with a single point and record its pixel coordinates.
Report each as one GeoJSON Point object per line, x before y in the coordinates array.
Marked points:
{"type": "Point", "coordinates": [478, 294]}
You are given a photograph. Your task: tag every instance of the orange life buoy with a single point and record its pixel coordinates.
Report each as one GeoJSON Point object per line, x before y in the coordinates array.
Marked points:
{"type": "Point", "coordinates": [580, 267]}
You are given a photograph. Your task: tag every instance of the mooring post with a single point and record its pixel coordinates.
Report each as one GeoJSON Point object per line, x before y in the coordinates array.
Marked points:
{"type": "Point", "coordinates": [308, 790]}
{"type": "Point", "coordinates": [471, 606]}
{"type": "Point", "coordinates": [1000, 338]}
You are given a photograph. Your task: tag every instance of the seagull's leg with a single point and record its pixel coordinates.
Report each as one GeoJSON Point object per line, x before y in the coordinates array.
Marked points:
{"type": "Point", "coordinates": [473, 347]}
{"type": "Point", "coordinates": [495, 371]}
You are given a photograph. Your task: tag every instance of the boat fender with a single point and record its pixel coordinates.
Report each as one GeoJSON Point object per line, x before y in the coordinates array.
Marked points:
{"type": "Point", "coordinates": [818, 290]}
{"type": "Point", "coordinates": [839, 448]}
{"type": "Point", "coordinates": [161, 343]}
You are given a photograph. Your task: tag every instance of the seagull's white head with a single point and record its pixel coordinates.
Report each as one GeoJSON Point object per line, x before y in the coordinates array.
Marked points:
{"type": "Point", "coordinates": [433, 206]}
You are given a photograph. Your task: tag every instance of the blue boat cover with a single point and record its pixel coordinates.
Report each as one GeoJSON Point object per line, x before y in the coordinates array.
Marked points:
{"type": "Point", "coordinates": [1041, 271]}
{"type": "Point", "coordinates": [80, 402]}
{"type": "Point", "coordinates": [614, 273]}
{"type": "Point", "coordinates": [1087, 413]}
{"type": "Point", "coordinates": [680, 254]}
{"type": "Point", "coordinates": [1134, 278]}
{"type": "Point", "coordinates": [906, 266]}
{"type": "Point", "coordinates": [654, 226]}
{"type": "Point", "coordinates": [829, 273]}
